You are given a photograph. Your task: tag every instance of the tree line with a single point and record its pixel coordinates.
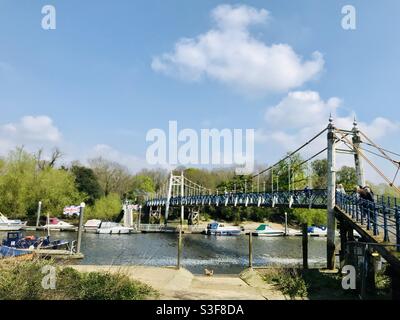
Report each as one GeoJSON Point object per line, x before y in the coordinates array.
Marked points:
{"type": "Point", "coordinates": [26, 179]}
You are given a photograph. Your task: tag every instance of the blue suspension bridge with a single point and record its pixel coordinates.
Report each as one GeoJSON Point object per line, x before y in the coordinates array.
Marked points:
{"type": "Point", "coordinates": [378, 221]}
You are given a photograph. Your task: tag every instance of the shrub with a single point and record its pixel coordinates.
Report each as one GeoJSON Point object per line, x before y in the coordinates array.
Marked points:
{"type": "Point", "coordinates": [22, 280]}
{"type": "Point", "coordinates": [289, 281]}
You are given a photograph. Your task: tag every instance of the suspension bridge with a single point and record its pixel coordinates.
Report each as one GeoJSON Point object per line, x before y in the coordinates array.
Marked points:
{"type": "Point", "coordinates": [378, 221]}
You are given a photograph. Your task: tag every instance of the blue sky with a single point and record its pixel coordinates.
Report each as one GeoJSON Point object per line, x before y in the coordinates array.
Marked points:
{"type": "Point", "coordinates": [93, 77]}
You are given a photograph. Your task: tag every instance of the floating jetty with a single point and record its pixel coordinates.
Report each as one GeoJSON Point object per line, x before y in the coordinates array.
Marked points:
{"type": "Point", "coordinates": [57, 254]}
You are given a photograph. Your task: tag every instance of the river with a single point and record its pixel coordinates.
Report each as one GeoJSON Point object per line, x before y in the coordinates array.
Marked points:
{"type": "Point", "coordinates": [226, 255]}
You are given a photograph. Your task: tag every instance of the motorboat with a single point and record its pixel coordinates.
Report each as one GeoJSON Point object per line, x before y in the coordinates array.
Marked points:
{"type": "Point", "coordinates": [10, 225]}
{"type": "Point", "coordinates": [265, 230]}
{"type": "Point", "coordinates": [218, 229]}
{"type": "Point", "coordinates": [317, 231]}
{"type": "Point", "coordinates": [16, 244]}
{"type": "Point", "coordinates": [107, 227]}
{"type": "Point", "coordinates": [55, 224]}
{"type": "Point", "coordinates": [92, 225]}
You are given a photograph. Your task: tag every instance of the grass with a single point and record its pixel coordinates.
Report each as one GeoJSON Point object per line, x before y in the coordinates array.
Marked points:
{"type": "Point", "coordinates": [22, 280]}
{"type": "Point", "coordinates": [316, 284]}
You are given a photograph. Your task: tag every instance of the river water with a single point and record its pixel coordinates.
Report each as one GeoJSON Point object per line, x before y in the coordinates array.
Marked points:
{"type": "Point", "coordinates": [222, 254]}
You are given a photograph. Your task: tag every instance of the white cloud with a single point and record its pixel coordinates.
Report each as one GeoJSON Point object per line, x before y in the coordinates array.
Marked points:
{"type": "Point", "coordinates": [230, 54]}
{"type": "Point", "coordinates": [29, 131]}
{"type": "Point", "coordinates": [302, 114]}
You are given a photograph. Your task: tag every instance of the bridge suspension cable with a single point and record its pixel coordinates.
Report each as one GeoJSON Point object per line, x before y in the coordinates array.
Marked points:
{"type": "Point", "coordinates": [290, 154]}
{"type": "Point", "coordinates": [353, 147]}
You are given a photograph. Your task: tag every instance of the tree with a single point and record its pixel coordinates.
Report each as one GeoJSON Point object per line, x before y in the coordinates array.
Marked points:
{"type": "Point", "coordinates": [86, 182]}
{"type": "Point", "coordinates": [141, 186]}
{"type": "Point", "coordinates": [23, 183]}
{"type": "Point", "coordinates": [106, 208]}
{"type": "Point", "coordinates": [320, 174]}
{"type": "Point", "coordinates": [113, 177]}
{"type": "Point", "coordinates": [347, 177]}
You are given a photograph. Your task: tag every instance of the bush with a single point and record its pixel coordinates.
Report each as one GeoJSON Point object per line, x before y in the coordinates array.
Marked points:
{"type": "Point", "coordinates": [23, 281]}
{"type": "Point", "coordinates": [106, 208]}
{"type": "Point", "coordinates": [289, 281]}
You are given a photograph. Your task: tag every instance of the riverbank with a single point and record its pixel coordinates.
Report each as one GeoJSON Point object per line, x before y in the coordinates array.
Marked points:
{"type": "Point", "coordinates": [174, 284]}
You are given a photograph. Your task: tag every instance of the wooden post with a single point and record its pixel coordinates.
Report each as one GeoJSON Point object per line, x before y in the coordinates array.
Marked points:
{"type": "Point", "coordinates": [343, 242]}
{"type": "Point", "coordinates": [80, 228]}
{"type": "Point", "coordinates": [331, 200]}
{"type": "Point", "coordinates": [250, 249]}
{"type": "Point", "coordinates": [179, 248]}
{"type": "Point", "coordinates": [305, 246]}
{"type": "Point", "coordinates": [38, 213]}
{"type": "Point", "coordinates": [286, 225]}
{"type": "Point", "coordinates": [395, 276]}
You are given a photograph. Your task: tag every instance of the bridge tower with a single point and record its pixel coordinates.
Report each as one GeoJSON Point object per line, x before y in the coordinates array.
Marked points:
{"type": "Point", "coordinates": [331, 199]}
{"type": "Point", "coordinates": [357, 158]}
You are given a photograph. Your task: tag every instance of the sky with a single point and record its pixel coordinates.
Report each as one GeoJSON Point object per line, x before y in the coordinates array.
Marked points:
{"type": "Point", "coordinates": [113, 70]}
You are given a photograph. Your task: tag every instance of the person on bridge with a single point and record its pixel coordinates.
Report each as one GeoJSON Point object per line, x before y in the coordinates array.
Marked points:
{"type": "Point", "coordinates": [340, 189]}
{"type": "Point", "coordinates": [365, 193]}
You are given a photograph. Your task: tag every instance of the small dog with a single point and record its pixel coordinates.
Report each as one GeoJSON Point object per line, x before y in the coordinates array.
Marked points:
{"type": "Point", "coordinates": [208, 273]}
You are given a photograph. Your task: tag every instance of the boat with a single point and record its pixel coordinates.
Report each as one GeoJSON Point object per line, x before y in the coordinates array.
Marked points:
{"type": "Point", "coordinates": [218, 229]}
{"type": "Point", "coordinates": [317, 231]}
{"type": "Point", "coordinates": [107, 227]}
{"type": "Point", "coordinates": [55, 224]}
{"type": "Point", "coordinates": [92, 225]}
{"type": "Point", "coordinates": [16, 244]}
{"type": "Point", "coordinates": [264, 230]}
{"type": "Point", "coordinates": [10, 225]}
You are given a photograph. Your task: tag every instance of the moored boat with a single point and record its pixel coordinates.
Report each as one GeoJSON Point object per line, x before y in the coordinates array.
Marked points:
{"type": "Point", "coordinates": [16, 244]}
{"type": "Point", "coordinates": [264, 230]}
{"type": "Point", "coordinates": [317, 231]}
{"type": "Point", "coordinates": [218, 229]}
{"type": "Point", "coordinates": [55, 224]}
{"type": "Point", "coordinates": [92, 225]}
{"type": "Point", "coordinates": [113, 228]}
{"type": "Point", "coordinates": [10, 225]}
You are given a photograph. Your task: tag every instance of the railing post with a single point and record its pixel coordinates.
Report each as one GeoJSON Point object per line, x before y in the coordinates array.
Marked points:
{"type": "Point", "coordinates": [305, 246]}
{"type": "Point", "coordinates": [397, 218]}
{"type": "Point", "coordinates": [376, 230]}
{"type": "Point", "coordinates": [385, 226]}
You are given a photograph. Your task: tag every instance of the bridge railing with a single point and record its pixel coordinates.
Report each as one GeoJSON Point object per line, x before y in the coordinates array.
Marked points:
{"type": "Point", "coordinates": [381, 216]}
{"type": "Point", "coordinates": [315, 198]}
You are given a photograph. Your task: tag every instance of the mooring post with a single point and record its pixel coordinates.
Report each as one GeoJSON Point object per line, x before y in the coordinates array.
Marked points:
{"type": "Point", "coordinates": [250, 249]}
{"type": "Point", "coordinates": [182, 195]}
{"type": "Point", "coordinates": [179, 248]}
{"type": "Point", "coordinates": [140, 217]}
{"type": "Point", "coordinates": [286, 225]}
{"type": "Point", "coordinates": [305, 245]}
{"type": "Point", "coordinates": [38, 213]}
{"type": "Point", "coordinates": [80, 228]}
{"type": "Point", "coordinates": [331, 200]}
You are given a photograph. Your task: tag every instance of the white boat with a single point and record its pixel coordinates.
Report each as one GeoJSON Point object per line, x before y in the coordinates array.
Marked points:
{"type": "Point", "coordinates": [219, 229]}
{"type": "Point", "coordinates": [317, 231]}
{"type": "Point", "coordinates": [10, 225]}
{"type": "Point", "coordinates": [113, 228]}
{"type": "Point", "coordinates": [264, 230]}
{"type": "Point", "coordinates": [92, 225]}
{"type": "Point", "coordinates": [58, 225]}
